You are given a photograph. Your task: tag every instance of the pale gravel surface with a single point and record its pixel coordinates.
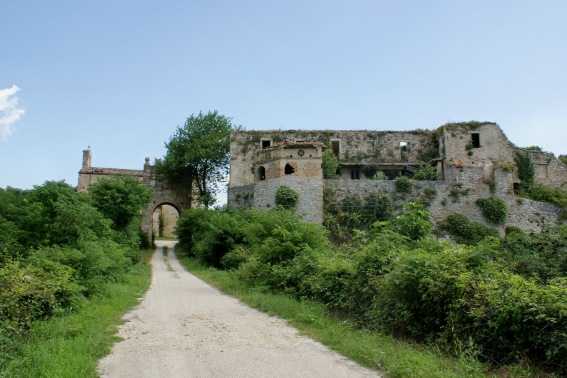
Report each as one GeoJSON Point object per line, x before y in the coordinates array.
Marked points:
{"type": "Point", "coordinates": [185, 328]}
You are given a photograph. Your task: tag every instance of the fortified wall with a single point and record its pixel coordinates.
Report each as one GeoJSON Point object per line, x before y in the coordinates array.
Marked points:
{"type": "Point", "coordinates": [472, 160]}
{"type": "Point", "coordinates": [164, 194]}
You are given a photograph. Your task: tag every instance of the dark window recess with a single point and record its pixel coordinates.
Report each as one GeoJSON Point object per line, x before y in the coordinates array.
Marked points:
{"type": "Point", "coordinates": [289, 169]}
{"type": "Point", "coordinates": [355, 174]}
{"type": "Point", "coordinates": [262, 173]}
{"type": "Point", "coordinates": [266, 143]}
{"type": "Point", "coordinates": [335, 145]}
{"type": "Point", "coordinates": [475, 140]}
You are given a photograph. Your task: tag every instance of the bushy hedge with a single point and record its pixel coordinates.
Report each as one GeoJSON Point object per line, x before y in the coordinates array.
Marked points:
{"type": "Point", "coordinates": [395, 277]}
{"type": "Point", "coordinates": [286, 197]}
{"type": "Point", "coordinates": [494, 209]}
{"type": "Point", "coordinates": [57, 249]}
{"type": "Point", "coordinates": [465, 231]}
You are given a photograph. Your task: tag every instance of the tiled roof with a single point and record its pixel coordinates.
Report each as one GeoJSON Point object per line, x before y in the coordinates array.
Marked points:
{"type": "Point", "coordinates": [112, 171]}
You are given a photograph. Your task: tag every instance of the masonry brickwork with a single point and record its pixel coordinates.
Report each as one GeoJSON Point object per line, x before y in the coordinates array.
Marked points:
{"type": "Point", "coordinates": [473, 160]}
{"type": "Point", "coordinates": [179, 198]}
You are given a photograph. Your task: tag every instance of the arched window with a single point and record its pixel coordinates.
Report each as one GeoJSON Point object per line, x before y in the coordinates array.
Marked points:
{"type": "Point", "coordinates": [289, 169]}
{"type": "Point", "coordinates": [261, 173]}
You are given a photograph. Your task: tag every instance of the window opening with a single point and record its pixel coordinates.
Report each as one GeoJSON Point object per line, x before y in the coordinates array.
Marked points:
{"type": "Point", "coordinates": [335, 145]}
{"type": "Point", "coordinates": [355, 174]}
{"type": "Point", "coordinates": [404, 149]}
{"type": "Point", "coordinates": [475, 140]}
{"type": "Point", "coordinates": [289, 169]}
{"type": "Point", "coordinates": [262, 173]}
{"type": "Point", "coordinates": [266, 143]}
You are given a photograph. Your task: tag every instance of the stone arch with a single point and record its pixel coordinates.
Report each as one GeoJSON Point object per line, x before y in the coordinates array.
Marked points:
{"type": "Point", "coordinates": [161, 198]}
{"type": "Point", "coordinates": [289, 169]}
{"type": "Point", "coordinates": [164, 219]}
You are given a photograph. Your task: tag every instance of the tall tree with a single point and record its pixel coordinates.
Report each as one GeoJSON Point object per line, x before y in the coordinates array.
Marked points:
{"type": "Point", "coordinates": [198, 153]}
{"type": "Point", "coordinates": [121, 199]}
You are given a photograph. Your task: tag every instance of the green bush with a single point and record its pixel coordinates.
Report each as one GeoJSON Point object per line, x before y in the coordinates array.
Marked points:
{"type": "Point", "coordinates": [414, 222]}
{"type": "Point", "coordinates": [525, 166]}
{"type": "Point", "coordinates": [541, 256]}
{"type": "Point", "coordinates": [286, 197]}
{"type": "Point", "coordinates": [330, 164]}
{"type": "Point", "coordinates": [403, 184]}
{"type": "Point", "coordinates": [425, 172]}
{"type": "Point", "coordinates": [459, 296]}
{"type": "Point", "coordinates": [34, 290]}
{"type": "Point", "coordinates": [465, 231]}
{"type": "Point", "coordinates": [377, 207]}
{"type": "Point", "coordinates": [494, 209]}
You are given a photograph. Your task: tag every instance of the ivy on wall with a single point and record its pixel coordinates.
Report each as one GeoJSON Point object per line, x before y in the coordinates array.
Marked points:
{"type": "Point", "coordinates": [494, 209]}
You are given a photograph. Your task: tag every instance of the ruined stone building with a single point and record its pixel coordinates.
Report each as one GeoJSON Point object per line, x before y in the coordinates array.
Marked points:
{"type": "Point", "coordinates": [168, 201]}
{"type": "Point", "coordinates": [473, 160]}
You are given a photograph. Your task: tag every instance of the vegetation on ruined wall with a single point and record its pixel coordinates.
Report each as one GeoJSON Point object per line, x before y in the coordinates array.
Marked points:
{"type": "Point", "coordinates": [465, 231]}
{"type": "Point", "coordinates": [536, 191]}
{"type": "Point", "coordinates": [425, 172]}
{"type": "Point", "coordinates": [286, 197]}
{"type": "Point", "coordinates": [403, 184]}
{"type": "Point", "coordinates": [57, 249]}
{"type": "Point", "coordinates": [330, 164]}
{"type": "Point", "coordinates": [494, 209]}
{"type": "Point", "coordinates": [494, 300]}
{"type": "Point", "coordinates": [525, 166]}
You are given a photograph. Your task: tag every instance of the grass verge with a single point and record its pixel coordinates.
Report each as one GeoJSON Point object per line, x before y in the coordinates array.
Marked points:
{"type": "Point", "coordinates": [71, 345]}
{"type": "Point", "coordinates": [393, 358]}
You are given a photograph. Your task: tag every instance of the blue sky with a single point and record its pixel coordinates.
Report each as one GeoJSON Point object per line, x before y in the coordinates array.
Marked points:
{"type": "Point", "coordinates": [121, 75]}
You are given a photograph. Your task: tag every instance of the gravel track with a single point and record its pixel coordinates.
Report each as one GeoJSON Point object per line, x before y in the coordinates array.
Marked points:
{"type": "Point", "coordinates": [185, 328]}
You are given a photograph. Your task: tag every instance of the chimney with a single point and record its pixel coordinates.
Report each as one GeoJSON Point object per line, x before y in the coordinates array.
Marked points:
{"type": "Point", "coordinates": [87, 157]}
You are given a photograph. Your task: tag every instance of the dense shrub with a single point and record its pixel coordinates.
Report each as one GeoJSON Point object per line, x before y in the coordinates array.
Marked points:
{"type": "Point", "coordinates": [425, 172]}
{"type": "Point", "coordinates": [525, 166]}
{"type": "Point", "coordinates": [286, 197]}
{"type": "Point", "coordinates": [459, 295]}
{"type": "Point", "coordinates": [494, 209]}
{"type": "Point", "coordinates": [377, 207]}
{"type": "Point", "coordinates": [341, 218]}
{"type": "Point", "coordinates": [120, 199]}
{"type": "Point", "coordinates": [403, 184]}
{"type": "Point", "coordinates": [330, 164]}
{"type": "Point", "coordinates": [394, 277]}
{"type": "Point", "coordinates": [537, 255]}
{"type": "Point", "coordinates": [413, 222]}
{"type": "Point", "coordinates": [56, 250]}
{"type": "Point", "coordinates": [465, 231]}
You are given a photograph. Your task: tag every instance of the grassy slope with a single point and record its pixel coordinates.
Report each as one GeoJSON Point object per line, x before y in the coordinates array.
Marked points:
{"type": "Point", "coordinates": [71, 345]}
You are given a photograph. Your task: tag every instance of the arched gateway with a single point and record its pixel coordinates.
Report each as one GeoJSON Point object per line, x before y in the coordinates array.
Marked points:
{"type": "Point", "coordinates": [179, 198]}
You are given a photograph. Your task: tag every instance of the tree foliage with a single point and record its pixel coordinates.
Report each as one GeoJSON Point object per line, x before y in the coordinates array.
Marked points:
{"type": "Point", "coordinates": [330, 164]}
{"type": "Point", "coordinates": [120, 198]}
{"type": "Point", "coordinates": [59, 247]}
{"type": "Point", "coordinates": [198, 153]}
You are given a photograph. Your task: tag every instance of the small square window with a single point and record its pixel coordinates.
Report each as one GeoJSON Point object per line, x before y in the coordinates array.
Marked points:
{"type": "Point", "coordinates": [355, 174]}
{"type": "Point", "coordinates": [266, 143]}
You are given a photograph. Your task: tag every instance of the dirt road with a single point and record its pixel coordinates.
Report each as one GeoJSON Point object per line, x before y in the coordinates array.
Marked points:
{"type": "Point", "coordinates": [186, 328]}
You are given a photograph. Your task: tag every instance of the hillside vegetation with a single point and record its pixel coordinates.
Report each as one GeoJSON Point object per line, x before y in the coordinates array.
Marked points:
{"type": "Point", "coordinates": [59, 249]}
{"type": "Point", "coordinates": [501, 301]}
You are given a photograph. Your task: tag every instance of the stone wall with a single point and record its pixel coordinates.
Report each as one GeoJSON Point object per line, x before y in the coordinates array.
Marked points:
{"type": "Point", "coordinates": [181, 198]}
{"type": "Point", "coordinates": [446, 198]}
